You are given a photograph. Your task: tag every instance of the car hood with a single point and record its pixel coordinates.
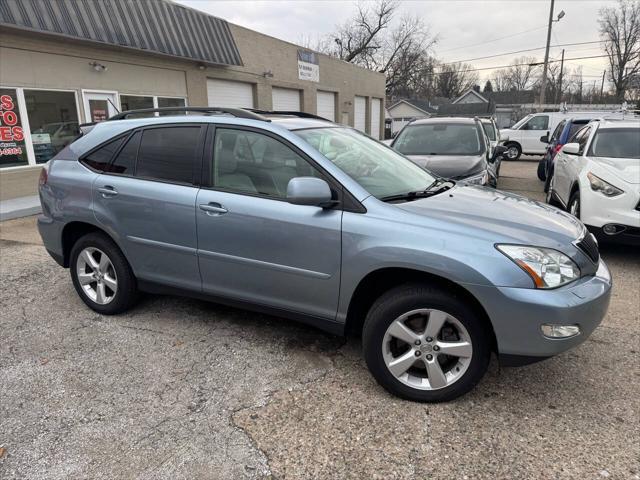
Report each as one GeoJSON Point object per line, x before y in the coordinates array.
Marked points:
{"type": "Point", "coordinates": [627, 169]}
{"type": "Point", "coordinates": [451, 166]}
{"type": "Point", "coordinates": [499, 216]}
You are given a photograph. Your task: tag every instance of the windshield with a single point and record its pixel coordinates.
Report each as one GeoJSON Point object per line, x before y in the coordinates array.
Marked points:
{"type": "Point", "coordinates": [376, 167]}
{"type": "Point", "coordinates": [521, 122]}
{"type": "Point", "coordinates": [439, 139]}
{"type": "Point", "coordinates": [616, 143]}
{"type": "Point", "coordinates": [489, 130]}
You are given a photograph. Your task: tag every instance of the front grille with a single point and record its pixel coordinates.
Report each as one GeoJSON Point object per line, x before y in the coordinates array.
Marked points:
{"type": "Point", "coordinates": [589, 245]}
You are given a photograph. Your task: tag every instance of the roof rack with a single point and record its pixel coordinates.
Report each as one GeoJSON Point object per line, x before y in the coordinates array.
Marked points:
{"type": "Point", "coordinates": [236, 112]}
{"type": "Point", "coordinates": [286, 112]}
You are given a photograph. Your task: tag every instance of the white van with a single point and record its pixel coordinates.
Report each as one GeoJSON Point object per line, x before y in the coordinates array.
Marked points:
{"type": "Point", "coordinates": [524, 136]}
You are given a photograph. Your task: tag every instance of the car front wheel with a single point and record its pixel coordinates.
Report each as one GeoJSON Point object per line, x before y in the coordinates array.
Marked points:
{"type": "Point", "coordinates": [424, 344]}
{"type": "Point", "coordinates": [101, 275]}
{"type": "Point", "coordinates": [513, 152]}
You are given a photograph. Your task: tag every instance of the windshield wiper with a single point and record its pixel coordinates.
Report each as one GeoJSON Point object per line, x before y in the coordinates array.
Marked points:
{"type": "Point", "coordinates": [438, 186]}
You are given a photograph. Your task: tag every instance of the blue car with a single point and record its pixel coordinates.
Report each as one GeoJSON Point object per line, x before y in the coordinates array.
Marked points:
{"type": "Point", "coordinates": [565, 130]}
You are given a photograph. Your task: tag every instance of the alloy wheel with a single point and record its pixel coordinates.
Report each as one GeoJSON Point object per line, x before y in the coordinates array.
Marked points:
{"type": "Point", "coordinates": [512, 153]}
{"type": "Point", "coordinates": [427, 349]}
{"type": "Point", "coordinates": [96, 275]}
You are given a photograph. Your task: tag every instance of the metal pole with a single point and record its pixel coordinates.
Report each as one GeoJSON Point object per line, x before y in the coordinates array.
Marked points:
{"type": "Point", "coordinates": [543, 86]}
{"type": "Point", "coordinates": [559, 93]}
{"type": "Point", "coordinates": [602, 85]}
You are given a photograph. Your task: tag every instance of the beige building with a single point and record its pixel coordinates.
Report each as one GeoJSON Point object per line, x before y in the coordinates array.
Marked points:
{"type": "Point", "coordinates": [62, 68]}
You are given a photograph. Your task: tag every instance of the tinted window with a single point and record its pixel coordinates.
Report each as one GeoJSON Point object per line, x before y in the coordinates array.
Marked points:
{"type": "Point", "coordinates": [100, 158]}
{"type": "Point", "coordinates": [439, 139]}
{"type": "Point", "coordinates": [616, 143]}
{"type": "Point", "coordinates": [168, 153]}
{"type": "Point", "coordinates": [251, 162]}
{"type": "Point", "coordinates": [575, 126]}
{"type": "Point", "coordinates": [581, 137]}
{"type": "Point", "coordinates": [557, 131]}
{"type": "Point", "coordinates": [125, 162]}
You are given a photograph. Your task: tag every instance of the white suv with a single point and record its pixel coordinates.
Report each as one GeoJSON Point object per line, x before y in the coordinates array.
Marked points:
{"type": "Point", "coordinates": [597, 179]}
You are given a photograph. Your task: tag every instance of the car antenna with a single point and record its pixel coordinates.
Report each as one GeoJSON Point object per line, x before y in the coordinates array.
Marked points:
{"type": "Point", "coordinates": [113, 105]}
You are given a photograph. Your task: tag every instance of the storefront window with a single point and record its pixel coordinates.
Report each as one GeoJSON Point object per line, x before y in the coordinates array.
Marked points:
{"type": "Point", "coordinates": [170, 102]}
{"type": "Point", "coordinates": [133, 102]}
{"type": "Point", "coordinates": [13, 152]}
{"type": "Point", "coordinates": [53, 120]}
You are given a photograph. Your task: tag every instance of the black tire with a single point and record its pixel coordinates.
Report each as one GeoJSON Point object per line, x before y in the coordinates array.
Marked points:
{"type": "Point", "coordinates": [126, 293]}
{"type": "Point", "coordinates": [550, 197]}
{"type": "Point", "coordinates": [547, 181]}
{"type": "Point", "coordinates": [512, 147]}
{"type": "Point", "coordinates": [542, 174]}
{"type": "Point", "coordinates": [574, 199]}
{"type": "Point", "coordinates": [409, 297]}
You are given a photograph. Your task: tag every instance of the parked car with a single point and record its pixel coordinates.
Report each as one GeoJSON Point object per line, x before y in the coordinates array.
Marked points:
{"type": "Point", "coordinates": [311, 220]}
{"type": "Point", "coordinates": [597, 179]}
{"type": "Point", "coordinates": [524, 136]}
{"type": "Point", "coordinates": [493, 134]}
{"type": "Point", "coordinates": [451, 147]}
{"type": "Point", "coordinates": [565, 130]}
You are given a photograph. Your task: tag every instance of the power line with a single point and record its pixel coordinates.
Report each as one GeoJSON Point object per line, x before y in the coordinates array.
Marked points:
{"type": "Point", "coordinates": [523, 51]}
{"type": "Point", "coordinates": [533, 64]}
{"type": "Point", "coordinates": [494, 40]}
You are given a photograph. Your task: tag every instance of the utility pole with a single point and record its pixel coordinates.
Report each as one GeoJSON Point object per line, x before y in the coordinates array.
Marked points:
{"type": "Point", "coordinates": [602, 85]}
{"type": "Point", "coordinates": [559, 93]}
{"type": "Point", "coordinates": [546, 53]}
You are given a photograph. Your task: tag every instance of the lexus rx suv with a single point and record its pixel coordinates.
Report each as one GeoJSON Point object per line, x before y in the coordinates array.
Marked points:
{"type": "Point", "coordinates": [299, 217]}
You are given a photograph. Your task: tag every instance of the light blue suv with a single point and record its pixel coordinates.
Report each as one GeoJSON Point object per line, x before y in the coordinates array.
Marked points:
{"type": "Point", "coordinates": [300, 217]}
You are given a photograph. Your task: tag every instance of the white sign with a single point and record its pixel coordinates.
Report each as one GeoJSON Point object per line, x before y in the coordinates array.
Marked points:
{"type": "Point", "coordinates": [308, 66]}
{"type": "Point", "coordinates": [40, 138]}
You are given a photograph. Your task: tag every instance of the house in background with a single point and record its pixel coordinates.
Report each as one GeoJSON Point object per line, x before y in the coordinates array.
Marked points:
{"type": "Point", "coordinates": [402, 111]}
{"type": "Point", "coordinates": [508, 107]}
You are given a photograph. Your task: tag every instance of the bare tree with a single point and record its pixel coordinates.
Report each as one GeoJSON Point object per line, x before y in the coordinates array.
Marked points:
{"type": "Point", "coordinates": [500, 81]}
{"type": "Point", "coordinates": [523, 73]}
{"type": "Point", "coordinates": [400, 49]}
{"type": "Point", "coordinates": [488, 86]}
{"type": "Point", "coordinates": [455, 78]}
{"type": "Point", "coordinates": [620, 30]}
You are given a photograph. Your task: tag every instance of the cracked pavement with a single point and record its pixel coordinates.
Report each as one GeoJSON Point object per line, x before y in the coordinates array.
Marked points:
{"type": "Point", "coordinates": [179, 388]}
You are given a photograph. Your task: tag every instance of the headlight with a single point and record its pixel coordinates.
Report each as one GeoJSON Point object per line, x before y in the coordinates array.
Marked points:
{"type": "Point", "coordinates": [605, 188]}
{"type": "Point", "coordinates": [547, 268]}
{"type": "Point", "coordinates": [478, 179]}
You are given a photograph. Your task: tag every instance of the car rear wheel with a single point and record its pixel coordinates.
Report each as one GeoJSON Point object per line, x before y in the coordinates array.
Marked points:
{"type": "Point", "coordinates": [513, 151]}
{"type": "Point", "coordinates": [424, 344]}
{"type": "Point", "coordinates": [101, 275]}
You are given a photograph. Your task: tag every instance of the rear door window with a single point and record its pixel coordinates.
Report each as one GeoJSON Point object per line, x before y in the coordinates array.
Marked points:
{"type": "Point", "coordinates": [168, 153]}
{"type": "Point", "coordinates": [125, 162]}
{"type": "Point", "coordinates": [100, 158]}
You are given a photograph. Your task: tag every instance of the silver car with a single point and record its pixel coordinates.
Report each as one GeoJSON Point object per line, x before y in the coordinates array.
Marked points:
{"type": "Point", "coordinates": [303, 218]}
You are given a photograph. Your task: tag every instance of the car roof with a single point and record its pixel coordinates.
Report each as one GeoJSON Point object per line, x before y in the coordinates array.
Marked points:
{"type": "Point", "coordinates": [291, 122]}
{"type": "Point", "coordinates": [436, 120]}
{"type": "Point", "coordinates": [619, 123]}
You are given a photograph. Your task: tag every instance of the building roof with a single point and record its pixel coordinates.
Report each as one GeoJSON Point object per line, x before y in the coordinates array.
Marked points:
{"type": "Point", "coordinates": [422, 105]}
{"type": "Point", "coordinates": [469, 109]}
{"type": "Point", "coordinates": [513, 97]}
{"type": "Point", "coordinates": [157, 26]}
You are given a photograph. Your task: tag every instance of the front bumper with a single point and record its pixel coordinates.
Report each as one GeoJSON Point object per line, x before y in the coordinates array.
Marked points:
{"type": "Point", "coordinates": [517, 315]}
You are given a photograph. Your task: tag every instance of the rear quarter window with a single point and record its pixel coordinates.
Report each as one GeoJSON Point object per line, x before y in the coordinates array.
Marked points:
{"type": "Point", "coordinates": [100, 158]}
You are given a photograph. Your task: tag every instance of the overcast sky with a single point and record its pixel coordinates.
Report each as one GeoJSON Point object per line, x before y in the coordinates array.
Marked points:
{"type": "Point", "coordinates": [466, 29]}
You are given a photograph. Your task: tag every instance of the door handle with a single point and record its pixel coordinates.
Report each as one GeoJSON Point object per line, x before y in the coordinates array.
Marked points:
{"type": "Point", "coordinates": [213, 209]}
{"type": "Point", "coordinates": [108, 191]}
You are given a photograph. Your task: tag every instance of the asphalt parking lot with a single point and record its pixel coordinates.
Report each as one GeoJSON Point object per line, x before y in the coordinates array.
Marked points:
{"type": "Point", "coordinates": [180, 388]}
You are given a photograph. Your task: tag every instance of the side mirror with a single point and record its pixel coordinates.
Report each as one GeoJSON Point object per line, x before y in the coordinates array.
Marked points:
{"type": "Point", "coordinates": [571, 148]}
{"type": "Point", "coordinates": [498, 151]}
{"type": "Point", "coordinates": [544, 138]}
{"type": "Point", "coordinates": [309, 191]}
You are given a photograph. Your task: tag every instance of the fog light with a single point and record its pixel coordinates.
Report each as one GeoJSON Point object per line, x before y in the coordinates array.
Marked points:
{"type": "Point", "coordinates": [613, 229]}
{"type": "Point", "coordinates": [560, 331]}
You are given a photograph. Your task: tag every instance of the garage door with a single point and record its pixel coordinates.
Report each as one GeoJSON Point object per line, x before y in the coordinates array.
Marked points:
{"type": "Point", "coordinates": [327, 105]}
{"type": "Point", "coordinates": [360, 114]}
{"type": "Point", "coordinates": [226, 93]}
{"type": "Point", "coordinates": [375, 118]}
{"type": "Point", "coordinates": [286, 99]}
